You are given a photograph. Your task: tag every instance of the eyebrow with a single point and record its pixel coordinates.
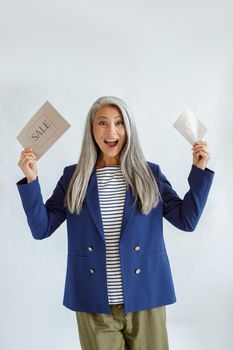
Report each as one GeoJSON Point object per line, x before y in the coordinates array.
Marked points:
{"type": "Point", "coordinates": [103, 116]}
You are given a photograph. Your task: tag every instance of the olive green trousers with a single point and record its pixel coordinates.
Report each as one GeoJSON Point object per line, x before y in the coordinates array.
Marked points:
{"type": "Point", "coordinates": [137, 330]}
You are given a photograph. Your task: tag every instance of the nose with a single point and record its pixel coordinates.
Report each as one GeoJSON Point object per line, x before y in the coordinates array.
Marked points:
{"type": "Point", "coordinates": [111, 129]}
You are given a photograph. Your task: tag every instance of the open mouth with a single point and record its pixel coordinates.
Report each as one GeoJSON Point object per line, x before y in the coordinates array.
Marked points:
{"type": "Point", "coordinates": [111, 143]}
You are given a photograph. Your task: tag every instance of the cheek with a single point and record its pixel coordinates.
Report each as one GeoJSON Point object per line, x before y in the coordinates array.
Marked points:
{"type": "Point", "coordinates": [123, 135]}
{"type": "Point", "coordinates": [96, 133]}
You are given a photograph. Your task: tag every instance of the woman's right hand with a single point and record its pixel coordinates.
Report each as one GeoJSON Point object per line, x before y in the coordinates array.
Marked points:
{"type": "Point", "coordinates": [27, 164]}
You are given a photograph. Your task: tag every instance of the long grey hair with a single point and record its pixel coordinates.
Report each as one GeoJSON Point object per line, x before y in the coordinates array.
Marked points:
{"type": "Point", "coordinates": [134, 167]}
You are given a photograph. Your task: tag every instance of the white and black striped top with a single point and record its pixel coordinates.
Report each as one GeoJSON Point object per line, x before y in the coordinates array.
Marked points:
{"type": "Point", "coordinates": [112, 189]}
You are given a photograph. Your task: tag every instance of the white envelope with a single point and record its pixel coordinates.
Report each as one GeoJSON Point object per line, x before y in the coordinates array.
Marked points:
{"type": "Point", "coordinates": [190, 126]}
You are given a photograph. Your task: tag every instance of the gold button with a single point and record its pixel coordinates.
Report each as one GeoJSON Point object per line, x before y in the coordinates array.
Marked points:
{"type": "Point", "coordinates": [137, 247]}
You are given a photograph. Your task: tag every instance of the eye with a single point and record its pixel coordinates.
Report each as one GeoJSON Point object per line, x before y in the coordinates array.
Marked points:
{"type": "Point", "coordinates": [120, 122]}
{"type": "Point", "coordinates": [100, 123]}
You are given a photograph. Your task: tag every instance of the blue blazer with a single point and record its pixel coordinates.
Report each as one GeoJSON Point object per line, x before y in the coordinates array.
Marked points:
{"type": "Point", "coordinates": [146, 274]}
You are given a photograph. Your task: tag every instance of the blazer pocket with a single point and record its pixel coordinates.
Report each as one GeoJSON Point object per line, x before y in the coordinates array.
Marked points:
{"type": "Point", "coordinates": [154, 252]}
{"type": "Point", "coordinates": [78, 256]}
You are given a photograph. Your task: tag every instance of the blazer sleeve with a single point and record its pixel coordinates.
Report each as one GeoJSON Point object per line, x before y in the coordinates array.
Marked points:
{"type": "Point", "coordinates": [185, 213]}
{"type": "Point", "coordinates": [43, 219]}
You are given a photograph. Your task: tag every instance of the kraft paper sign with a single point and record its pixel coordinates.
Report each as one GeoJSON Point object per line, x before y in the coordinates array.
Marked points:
{"type": "Point", "coordinates": [43, 130]}
{"type": "Point", "coordinates": [190, 126]}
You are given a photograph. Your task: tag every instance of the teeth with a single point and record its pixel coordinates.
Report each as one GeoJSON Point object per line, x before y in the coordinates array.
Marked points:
{"type": "Point", "coordinates": [111, 140]}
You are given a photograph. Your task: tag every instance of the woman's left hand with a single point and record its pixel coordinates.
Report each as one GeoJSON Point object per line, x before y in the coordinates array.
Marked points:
{"type": "Point", "coordinates": [201, 154]}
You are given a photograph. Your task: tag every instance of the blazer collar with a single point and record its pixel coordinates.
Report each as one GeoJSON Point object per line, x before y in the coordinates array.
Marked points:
{"type": "Point", "coordinates": [93, 205]}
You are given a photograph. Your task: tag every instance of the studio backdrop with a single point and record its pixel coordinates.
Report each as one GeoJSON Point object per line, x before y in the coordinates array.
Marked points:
{"type": "Point", "coordinates": [160, 57]}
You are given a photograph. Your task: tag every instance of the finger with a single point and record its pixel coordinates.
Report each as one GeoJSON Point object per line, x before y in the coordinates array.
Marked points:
{"type": "Point", "coordinates": [29, 153]}
{"type": "Point", "coordinates": [204, 155]}
{"type": "Point", "coordinates": [26, 150]}
{"type": "Point", "coordinates": [200, 148]}
{"type": "Point", "coordinates": [200, 151]}
{"type": "Point", "coordinates": [26, 160]}
{"type": "Point", "coordinates": [200, 143]}
{"type": "Point", "coordinates": [31, 156]}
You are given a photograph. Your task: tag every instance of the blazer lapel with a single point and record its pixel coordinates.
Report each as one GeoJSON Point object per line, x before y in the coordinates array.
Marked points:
{"type": "Point", "coordinates": [92, 201]}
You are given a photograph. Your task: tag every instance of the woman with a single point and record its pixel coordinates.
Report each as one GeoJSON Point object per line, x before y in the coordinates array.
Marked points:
{"type": "Point", "coordinates": [118, 278]}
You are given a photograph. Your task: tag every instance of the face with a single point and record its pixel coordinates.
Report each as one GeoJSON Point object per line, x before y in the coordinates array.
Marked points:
{"type": "Point", "coordinates": [109, 133]}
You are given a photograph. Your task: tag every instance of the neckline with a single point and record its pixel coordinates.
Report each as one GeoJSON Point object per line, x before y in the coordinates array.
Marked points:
{"type": "Point", "coordinates": [108, 166]}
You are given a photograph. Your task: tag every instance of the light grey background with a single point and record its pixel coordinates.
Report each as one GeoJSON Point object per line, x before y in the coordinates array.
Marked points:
{"type": "Point", "coordinates": [161, 57]}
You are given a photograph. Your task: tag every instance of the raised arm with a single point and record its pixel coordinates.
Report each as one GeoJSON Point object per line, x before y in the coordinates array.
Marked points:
{"type": "Point", "coordinates": [185, 213]}
{"type": "Point", "coordinates": [43, 218]}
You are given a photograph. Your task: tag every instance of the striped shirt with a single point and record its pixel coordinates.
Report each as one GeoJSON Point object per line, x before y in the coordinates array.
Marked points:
{"type": "Point", "coordinates": [112, 189]}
